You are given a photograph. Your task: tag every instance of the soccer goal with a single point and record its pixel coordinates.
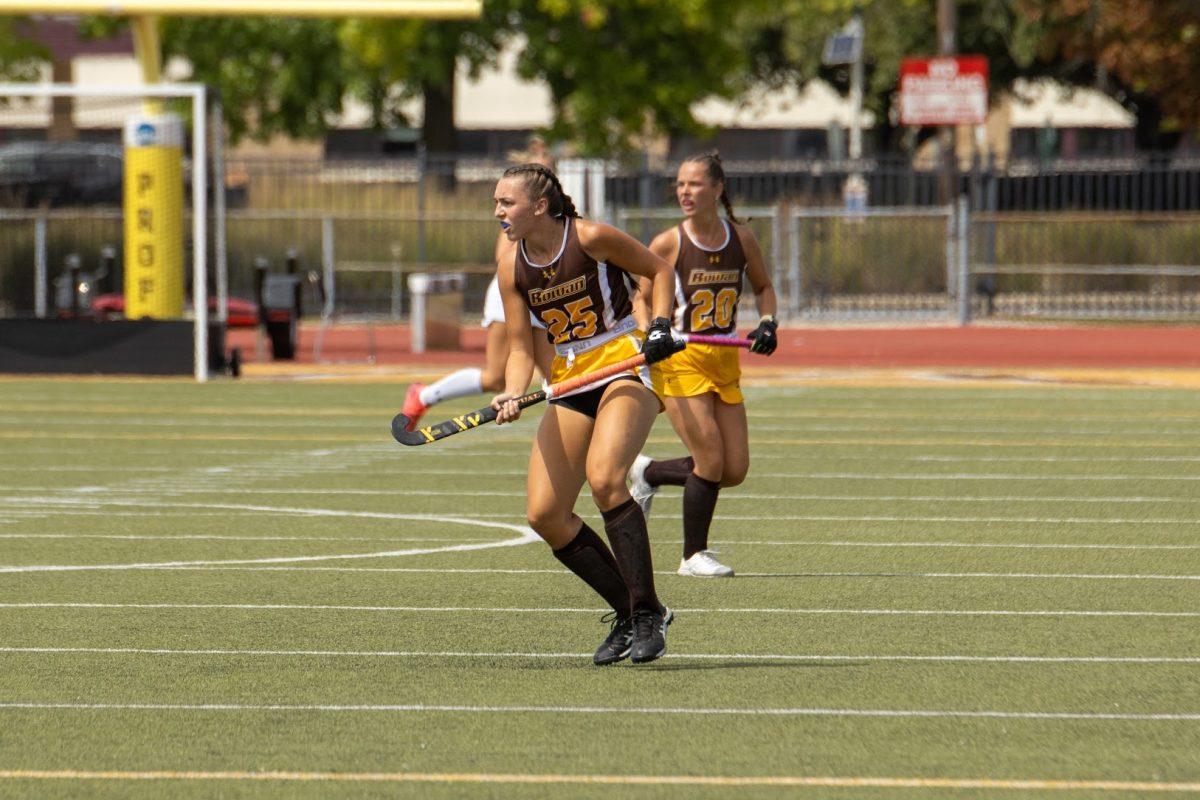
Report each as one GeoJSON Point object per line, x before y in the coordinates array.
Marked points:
{"type": "Point", "coordinates": [114, 248]}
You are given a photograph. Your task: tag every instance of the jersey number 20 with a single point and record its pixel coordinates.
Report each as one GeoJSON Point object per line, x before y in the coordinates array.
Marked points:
{"type": "Point", "coordinates": [712, 311]}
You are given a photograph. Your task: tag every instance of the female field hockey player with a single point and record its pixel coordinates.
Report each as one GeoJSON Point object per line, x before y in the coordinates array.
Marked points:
{"type": "Point", "coordinates": [472, 380]}
{"type": "Point", "coordinates": [575, 276]}
{"type": "Point", "coordinates": [702, 384]}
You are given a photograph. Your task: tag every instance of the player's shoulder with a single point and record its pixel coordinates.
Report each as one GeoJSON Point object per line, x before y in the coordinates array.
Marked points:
{"type": "Point", "coordinates": [667, 236]}
{"type": "Point", "coordinates": [589, 231]}
{"type": "Point", "coordinates": [666, 242]}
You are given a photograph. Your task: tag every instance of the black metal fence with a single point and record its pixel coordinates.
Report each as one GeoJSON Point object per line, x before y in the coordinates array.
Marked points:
{"type": "Point", "coordinates": [384, 217]}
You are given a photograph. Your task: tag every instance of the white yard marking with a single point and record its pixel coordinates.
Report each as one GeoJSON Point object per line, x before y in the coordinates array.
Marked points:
{"type": "Point", "coordinates": [982, 545]}
{"type": "Point", "coordinates": [526, 536]}
{"type": "Point", "coordinates": [901, 612]}
{"type": "Point", "coordinates": [1003, 784]}
{"type": "Point", "coordinates": [566, 574]}
{"type": "Point", "coordinates": [716, 542]}
{"type": "Point", "coordinates": [221, 537]}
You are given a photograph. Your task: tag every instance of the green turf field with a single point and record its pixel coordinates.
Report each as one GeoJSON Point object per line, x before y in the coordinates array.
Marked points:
{"type": "Point", "coordinates": [948, 591]}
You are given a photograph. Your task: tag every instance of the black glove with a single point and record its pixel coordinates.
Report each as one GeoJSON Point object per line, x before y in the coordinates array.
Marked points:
{"type": "Point", "coordinates": [660, 343]}
{"type": "Point", "coordinates": [764, 338]}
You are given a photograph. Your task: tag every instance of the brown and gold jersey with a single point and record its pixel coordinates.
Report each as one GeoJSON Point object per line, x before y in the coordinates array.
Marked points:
{"type": "Point", "coordinates": [708, 284]}
{"type": "Point", "coordinates": [575, 296]}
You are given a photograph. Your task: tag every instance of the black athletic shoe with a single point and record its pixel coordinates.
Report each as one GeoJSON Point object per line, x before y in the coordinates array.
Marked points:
{"type": "Point", "coordinates": [616, 645]}
{"type": "Point", "coordinates": [650, 634]}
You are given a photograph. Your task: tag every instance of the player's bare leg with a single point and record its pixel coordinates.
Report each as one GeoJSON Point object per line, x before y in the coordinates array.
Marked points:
{"type": "Point", "coordinates": [495, 356]}
{"type": "Point", "coordinates": [556, 474]}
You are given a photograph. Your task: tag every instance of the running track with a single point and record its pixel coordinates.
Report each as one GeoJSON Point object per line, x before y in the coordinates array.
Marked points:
{"type": "Point", "coordinates": [975, 346]}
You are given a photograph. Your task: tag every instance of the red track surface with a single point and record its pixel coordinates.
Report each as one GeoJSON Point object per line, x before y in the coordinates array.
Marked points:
{"type": "Point", "coordinates": [1109, 346]}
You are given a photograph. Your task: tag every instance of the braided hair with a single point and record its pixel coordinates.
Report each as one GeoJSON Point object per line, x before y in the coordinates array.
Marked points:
{"type": "Point", "coordinates": [540, 181]}
{"type": "Point", "coordinates": [716, 173]}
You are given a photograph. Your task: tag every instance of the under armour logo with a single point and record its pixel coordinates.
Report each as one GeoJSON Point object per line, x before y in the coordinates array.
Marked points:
{"type": "Point", "coordinates": [714, 259]}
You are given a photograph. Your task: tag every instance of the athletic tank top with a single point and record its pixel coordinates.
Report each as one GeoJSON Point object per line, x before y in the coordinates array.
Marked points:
{"type": "Point", "coordinates": [575, 296]}
{"type": "Point", "coordinates": [708, 284]}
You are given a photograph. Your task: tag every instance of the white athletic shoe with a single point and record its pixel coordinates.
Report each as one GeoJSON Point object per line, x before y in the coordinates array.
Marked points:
{"type": "Point", "coordinates": [703, 565]}
{"type": "Point", "coordinates": [642, 492]}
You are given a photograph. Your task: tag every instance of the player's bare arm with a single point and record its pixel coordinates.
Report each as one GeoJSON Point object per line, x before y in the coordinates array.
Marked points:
{"type": "Point", "coordinates": [606, 243]}
{"type": "Point", "coordinates": [666, 246]}
{"type": "Point", "coordinates": [756, 272]}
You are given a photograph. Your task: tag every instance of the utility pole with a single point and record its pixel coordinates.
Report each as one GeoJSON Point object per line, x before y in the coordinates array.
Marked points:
{"type": "Point", "coordinates": [947, 40]}
{"type": "Point", "coordinates": [846, 47]}
{"type": "Point", "coordinates": [855, 28]}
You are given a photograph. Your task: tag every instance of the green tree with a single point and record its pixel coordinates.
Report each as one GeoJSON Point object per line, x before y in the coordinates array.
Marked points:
{"type": "Point", "coordinates": [20, 58]}
{"type": "Point", "coordinates": [618, 69]}
{"type": "Point", "coordinates": [1145, 53]}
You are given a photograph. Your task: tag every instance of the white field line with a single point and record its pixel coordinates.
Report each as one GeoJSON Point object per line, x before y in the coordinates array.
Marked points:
{"type": "Point", "coordinates": [968, 545]}
{"type": "Point", "coordinates": [867, 612]}
{"type": "Point", "coordinates": [171, 489]}
{"type": "Point", "coordinates": [789, 657]}
{"type": "Point", "coordinates": [523, 453]}
{"type": "Point", "coordinates": [840, 781]}
{"type": "Point", "coordinates": [36, 507]}
{"type": "Point", "coordinates": [811, 475]}
{"type": "Point", "coordinates": [526, 536]}
{"type": "Point", "coordinates": [60, 411]}
{"type": "Point", "coordinates": [65, 505]}
{"type": "Point", "coordinates": [722, 542]}
{"type": "Point", "coordinates": [114, 469]}
{"type": "Point", "coordinates": [564, 573]}
{"type": "Point", "coordinates": [34, 450]}
{"type": "Point", "coordinates": [221, 537]}
{"type": "Point", "coordinates": [862, 425]}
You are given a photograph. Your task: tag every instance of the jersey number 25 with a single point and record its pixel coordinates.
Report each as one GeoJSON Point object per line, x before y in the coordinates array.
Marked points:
{"type": "Point", "coordinates": [582, 318]}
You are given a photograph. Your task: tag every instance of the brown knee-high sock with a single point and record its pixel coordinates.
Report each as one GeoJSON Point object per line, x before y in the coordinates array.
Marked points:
{"type": "Point", "coordinates": [588, 557]}
{"type": "Point", "coordinates": [699, 501]}
{"type": "Point", "coordinates": [671, 472]}
{"type": "Point", "coordinates": [626, 529]}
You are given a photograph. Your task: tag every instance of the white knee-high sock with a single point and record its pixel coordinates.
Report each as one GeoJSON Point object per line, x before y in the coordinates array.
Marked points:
{"type": "Point", "coordinates": [456, 384]}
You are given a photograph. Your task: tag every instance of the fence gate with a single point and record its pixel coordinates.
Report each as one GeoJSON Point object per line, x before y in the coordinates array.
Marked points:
{"type": "Point", "coordinates": [876, 263]}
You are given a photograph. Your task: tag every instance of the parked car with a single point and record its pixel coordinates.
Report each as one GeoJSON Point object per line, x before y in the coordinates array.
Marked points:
{"type": "Point", "coordinates": [55, 174]}
{"type": "Point", "coordinates": [64, 174]}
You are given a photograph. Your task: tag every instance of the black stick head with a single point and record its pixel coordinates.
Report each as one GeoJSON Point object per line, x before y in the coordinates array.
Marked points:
{"type": "Point", "coordinates": [403, 435]}
{"type": "Point", "coordinates": [440, 430]}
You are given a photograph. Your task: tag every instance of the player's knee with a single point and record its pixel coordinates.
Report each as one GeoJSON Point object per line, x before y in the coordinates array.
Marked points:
{"type": "Point", "coordinates": [546, 522]}
{"type": "Point", "coordinates": [733, 475]}
{"type": "Point", "coordinates": [608, 489]}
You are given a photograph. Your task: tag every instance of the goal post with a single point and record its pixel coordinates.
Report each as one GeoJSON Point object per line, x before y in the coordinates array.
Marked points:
{"type": "Point", "coordinates": [63, 190]}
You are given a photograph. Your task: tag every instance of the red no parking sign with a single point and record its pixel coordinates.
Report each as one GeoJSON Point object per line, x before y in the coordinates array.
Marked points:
{"type": "Point", "coordinates": [943, 91]}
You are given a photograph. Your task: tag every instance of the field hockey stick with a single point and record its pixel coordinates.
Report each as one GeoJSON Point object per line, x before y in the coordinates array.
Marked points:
{"type": "Point", "coordinates": [488, 414]}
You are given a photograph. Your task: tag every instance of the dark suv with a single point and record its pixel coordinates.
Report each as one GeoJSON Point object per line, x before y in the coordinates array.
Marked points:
{"type": "Point", "coordinates": [56, 174]}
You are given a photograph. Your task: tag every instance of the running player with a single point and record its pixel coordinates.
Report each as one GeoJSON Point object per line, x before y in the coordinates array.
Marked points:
{"type": "Point", "coordinates": [575, 276]}
{"type": "Point", "coordinates": [703, 396]}
{"type": "Point", "coordinates": [472, 380]}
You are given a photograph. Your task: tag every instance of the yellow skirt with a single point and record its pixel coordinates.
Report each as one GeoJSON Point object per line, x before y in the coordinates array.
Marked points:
{"type": "Point", "coordinates": [612, 352]}
{"type": "Point", "coordinates": [703, 368]}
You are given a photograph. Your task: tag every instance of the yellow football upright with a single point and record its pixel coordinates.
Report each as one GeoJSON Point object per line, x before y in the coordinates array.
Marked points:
{"type": "Point", "coordinates": [154, 270]}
